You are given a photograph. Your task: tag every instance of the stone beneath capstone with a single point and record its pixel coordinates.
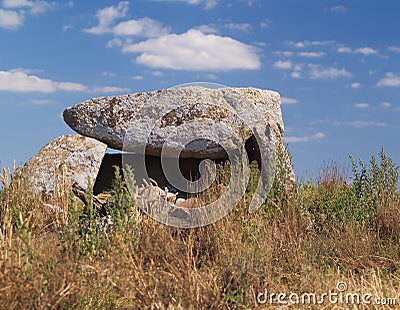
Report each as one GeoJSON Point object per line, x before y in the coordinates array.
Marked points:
{"type": "Point", "coordinates": [64, 161]}
{"type": "Point", "coordinates": [194, 122]}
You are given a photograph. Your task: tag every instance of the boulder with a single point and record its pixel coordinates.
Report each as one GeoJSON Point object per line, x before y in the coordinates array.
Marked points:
{"type": "Point", "coordinates": [194, 122]}
{"type": "Point", "coordinates": [67, 160]}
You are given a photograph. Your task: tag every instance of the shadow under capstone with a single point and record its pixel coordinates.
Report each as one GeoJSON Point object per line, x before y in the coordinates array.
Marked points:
{"type": "Point", "coordinates": [189, 167]}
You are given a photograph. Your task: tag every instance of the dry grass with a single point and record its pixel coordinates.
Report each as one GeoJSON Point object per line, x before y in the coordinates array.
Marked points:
{"type": "Point", "coordinates": [304, 242]}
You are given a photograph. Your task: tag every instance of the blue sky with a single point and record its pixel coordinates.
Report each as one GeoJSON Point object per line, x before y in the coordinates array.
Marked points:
{"type": "Point", "coordinates": [335, 63]}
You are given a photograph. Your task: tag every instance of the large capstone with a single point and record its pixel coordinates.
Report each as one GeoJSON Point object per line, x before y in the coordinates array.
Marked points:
{"type": "Point", "coordinates": [148, 121]}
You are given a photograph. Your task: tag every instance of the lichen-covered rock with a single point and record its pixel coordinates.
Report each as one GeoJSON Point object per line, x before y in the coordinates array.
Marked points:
{"type": "Point", "coordinates": [64, 161]}
{"type": "Point", "coordinates": [152, 118]}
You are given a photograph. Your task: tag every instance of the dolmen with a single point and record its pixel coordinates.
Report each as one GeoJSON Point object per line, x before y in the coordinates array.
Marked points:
{"type": "Point", "coordinates": [182, 127]}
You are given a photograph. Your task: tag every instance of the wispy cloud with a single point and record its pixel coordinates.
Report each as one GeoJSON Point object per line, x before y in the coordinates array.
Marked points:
{"type": "Point", "coordinates": [144, 27]}
{"type": "Point", "coordinates": [390, 80]}
{"type": "Point", "coordinates": [358, 123]}
{"type": "Point", "coordinates": [19, 80]}
{"type": "Point", "coordinates": [238, 26]}
{"type": "Point", "coordinates": [306, 43]}
{"type": "Point", "coordinates": [283, 64]}
{"type": "Point", "coordinates": [361, 105]}
{"type": "Point", "coordinates": [108, 73]}
{"type": "Point", "coordinates": [355, 85]}
{"type": "Point", "coordinates": [265, 23]}
{"type": "Point", "coordinates": [353, 123]}
{"type": "Point", "coordinates": [386, 104]}
{"type": "Point", "coordinates": [137, 77]}
{"type": "Point", "coordinates": [211, 28]}
{"type": "Point", "coordinates": [208, 4]}
{"type": "Point", "coordinates": [32, 7]}
{"type": "Point", "coordinates": [284, 53]}
{"type": "Point", "coordinates": [312, 54]}
{"type": "Point", "coordinates": [394, 49]}
{"type": "Point", "coordinates": [107, 17]}
{"type": "Point", "coordinates": [315, 137]}
{"type": "Point", "coordinates": [296, 74]}
{"type": "Point", "coordinates": [318, 72]}
{"type": "Point", "coordinates": [366, 50]}
{"type": "Point", "coordinates": [42, 101]}
{"type": "Point", "coordinates": [285, 100]}
{"type": "Point", "coordinates": [338, 9]}
{"type": "Point", "coordinates": [67, 27]}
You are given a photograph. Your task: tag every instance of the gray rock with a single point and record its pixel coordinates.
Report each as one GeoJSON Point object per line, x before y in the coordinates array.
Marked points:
{"type": "Point", "coordinates": [169, 119]}
{"type": "Point", "coordinates": [66, 160]}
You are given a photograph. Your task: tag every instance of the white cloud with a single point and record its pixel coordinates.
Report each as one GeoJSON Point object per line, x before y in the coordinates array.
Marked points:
{"type": "Point", "coordinates": [386, 104]}
{"type": "Point", "coordinates": [355, 85]}
{"type": "Point", "coordinates": [284, 53]}
{"type": "Point", "coordinates": [344, 49]}
{"type": "Point", "coordinates": [283, 64]}
{"type": "Point", "coordinates": [361, 105]}
{"type": "Point", "coordinates": [194, 50]}
{"type": "Point", "coordinates": [145, 27]}
{"type": "Point", "coordinates": [215, 28]}
{"type": "Point", "coordinates": [390, 80]}
{"type": "Point", "coordinates": [137, 77]}
{"type": "Point", "coordinates": [35, 7]}
{"type": "Point", "coordinates": [10, 19]}
{"type": "Point", "coordinates": [318, 72]}
{"type": "Point", "coordinates": [312, 54]}
{"type": "Point", "coordinates": [43, 102]}
{"type": "Point", "coordinates": [108, 73]}
{"type": "Point", "coordinates": [114, 42]}
{"type": "Point", "coordinates": [107, 16]}
{"type": "Point", "coordinates": [18, 80]}
{"type": "Point", "coordinates": [208, 28]}
{"type": "Point", "coordinates": [108, 89]}
{"type": "Point", "coordinates": [265, 23]}
{"type": "Point", "coordinates": [394, 49]}
{"type": "Point", "coordinates": [286, 100]}
{"type": "Point", "coordinates": [366, 51]}
{"type": "Point", "coordinates": [14, 4]}
{"type": "Point", "coordinates": [67, 27]}
{"type": "Point", "coordinates": [306, 43]}
{"type": "Point", "coordinates": [238, 27]}
{"type": "Point", "coordinates": [157, 73]}
{"type": "Point", "coordinates": [15, 11]}
{"type": "Point", "coordinates": [296, 74]}
{"type": "Point", "coordinates": [338, 9]}
{"type": "Point", "coordinates": [208, 4]}
{"type": "Point", "coordinates": [211, 76]}
{"type": "Point", "coordinates": [367, 124]}
{"type": "Point", "coordinates": [315, 137]}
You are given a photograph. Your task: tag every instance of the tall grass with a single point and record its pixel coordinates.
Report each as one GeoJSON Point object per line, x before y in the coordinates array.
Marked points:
{"type": "Point", "coordinates": [305, 238]}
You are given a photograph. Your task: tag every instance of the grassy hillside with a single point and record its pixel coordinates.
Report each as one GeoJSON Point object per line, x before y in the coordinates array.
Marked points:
{"type": "Point", "coordinates": [339, 234]}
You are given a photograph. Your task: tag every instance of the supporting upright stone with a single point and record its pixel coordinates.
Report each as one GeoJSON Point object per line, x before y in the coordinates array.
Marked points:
{"type": "Point", "coordinates": [64, 161]}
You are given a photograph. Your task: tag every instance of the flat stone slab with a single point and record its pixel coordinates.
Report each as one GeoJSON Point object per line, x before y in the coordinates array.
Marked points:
{"type": "Point", "coordinates": [65, 160]}
{"type": "Point", "coordinates": [167, 120]}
